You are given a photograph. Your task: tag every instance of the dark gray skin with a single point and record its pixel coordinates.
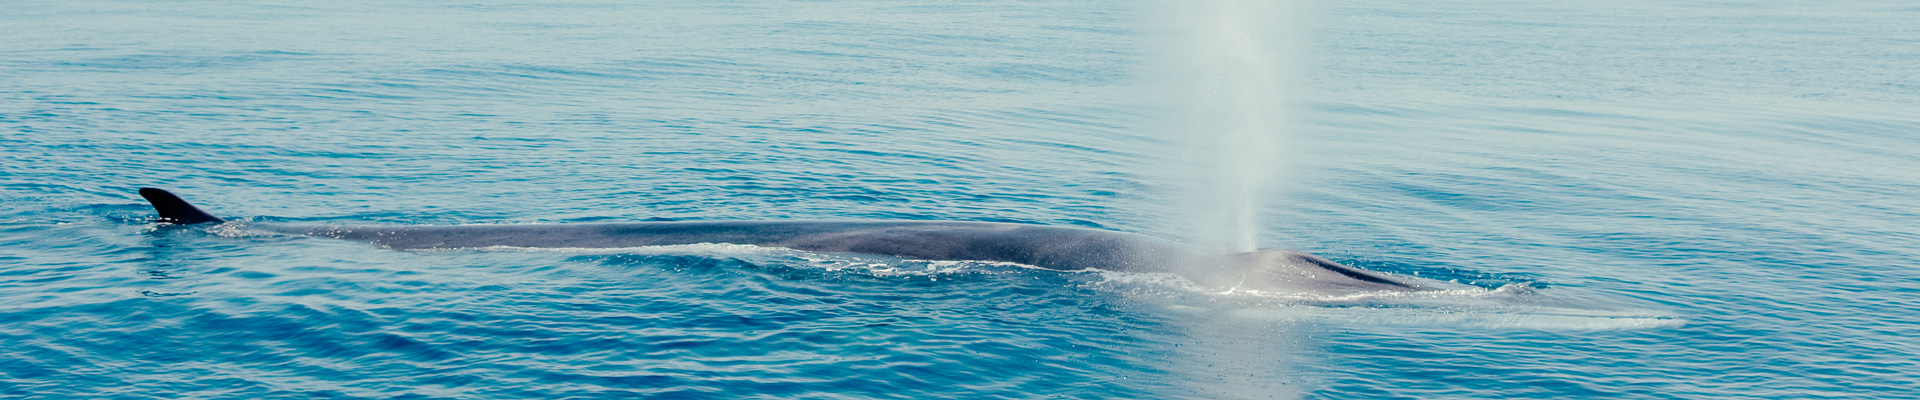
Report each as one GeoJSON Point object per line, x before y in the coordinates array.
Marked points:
{"type": "Point", "coordinates": [1050, 247]}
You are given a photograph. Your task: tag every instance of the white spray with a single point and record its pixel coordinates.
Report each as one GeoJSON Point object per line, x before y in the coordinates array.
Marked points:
{"type": "Point", "coordinates": [1231, 69]}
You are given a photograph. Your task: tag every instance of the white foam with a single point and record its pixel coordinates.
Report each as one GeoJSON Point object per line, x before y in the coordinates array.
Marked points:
{"type": "Point", "coordinates": [1513, 306]}
{"type": "Point", "coordinates": [239, 229]}
{"type": "Point", "coordinates": [1540, 318]}
{"type": "Point", "coordinates": [696, 248]}
{"type": "Point", "coordinates": [860, 263]}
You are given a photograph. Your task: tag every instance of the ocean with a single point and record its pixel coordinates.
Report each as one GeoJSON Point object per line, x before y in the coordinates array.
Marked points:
{"type": "Point", "coordinates": [1635, 199]}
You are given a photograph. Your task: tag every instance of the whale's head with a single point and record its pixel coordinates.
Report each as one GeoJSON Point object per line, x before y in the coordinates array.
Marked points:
{"type": "Point", "coordinates": [1296, 271]}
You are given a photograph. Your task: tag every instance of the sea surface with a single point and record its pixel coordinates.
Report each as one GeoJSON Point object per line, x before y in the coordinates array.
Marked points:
{"type": "Point", "coordinates": [1631, 199]}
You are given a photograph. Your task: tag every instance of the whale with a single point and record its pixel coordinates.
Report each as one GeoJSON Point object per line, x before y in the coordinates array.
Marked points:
{"type": "Point", "coordinates": [1042, 246]}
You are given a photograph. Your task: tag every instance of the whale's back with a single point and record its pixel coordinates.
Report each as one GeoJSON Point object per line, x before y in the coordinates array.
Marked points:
{"type": "Point", "coordinates": [1049, 247]}
{"type": "Point", "coordinates": [1297, 271]}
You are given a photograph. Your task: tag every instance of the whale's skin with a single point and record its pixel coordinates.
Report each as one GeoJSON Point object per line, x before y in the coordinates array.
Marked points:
{"type": "Point", "coordinates": [1050, 247]}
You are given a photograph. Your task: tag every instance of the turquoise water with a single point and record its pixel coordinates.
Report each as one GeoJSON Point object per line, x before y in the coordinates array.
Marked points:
{"type": "Point", "coordinates": [1642, 200]}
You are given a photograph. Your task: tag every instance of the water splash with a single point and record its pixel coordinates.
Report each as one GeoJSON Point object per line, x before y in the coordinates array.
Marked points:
{"type": "Point", "coordinates": [1231, 70]}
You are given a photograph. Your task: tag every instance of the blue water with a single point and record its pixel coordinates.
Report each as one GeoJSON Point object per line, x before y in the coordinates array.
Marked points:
{"type": "Point", "coordinates": [1639, 199]}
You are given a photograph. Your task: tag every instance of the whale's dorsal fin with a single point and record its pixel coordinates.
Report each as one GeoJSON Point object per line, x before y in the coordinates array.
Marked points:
{"type": "Point", "coordinates": [174, 210]}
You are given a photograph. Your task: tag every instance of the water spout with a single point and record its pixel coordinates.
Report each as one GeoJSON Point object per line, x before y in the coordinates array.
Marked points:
{"type": "Point", "coordinates": [1231, 70]}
